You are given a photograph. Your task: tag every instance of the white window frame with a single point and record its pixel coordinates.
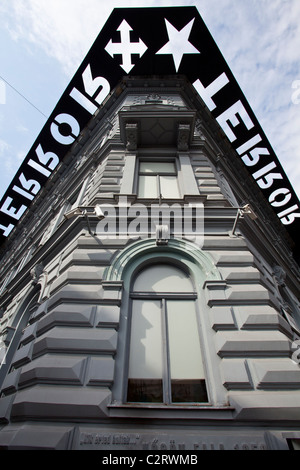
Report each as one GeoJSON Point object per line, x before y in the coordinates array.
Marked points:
{"type": "Point", "coordinates": [186, 180]}
{"type": "Point", "coordinates": [163, 298]}
{"type": "Point", "coordinates": [159, 176]}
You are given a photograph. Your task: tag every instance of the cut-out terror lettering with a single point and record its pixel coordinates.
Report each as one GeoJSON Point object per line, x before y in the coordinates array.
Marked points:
{"type": "Point", "coordinates": [181, 45]}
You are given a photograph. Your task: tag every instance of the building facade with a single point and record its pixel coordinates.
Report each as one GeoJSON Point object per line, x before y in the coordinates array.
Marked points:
{"type": "Point", "coordinates": [149, 296]}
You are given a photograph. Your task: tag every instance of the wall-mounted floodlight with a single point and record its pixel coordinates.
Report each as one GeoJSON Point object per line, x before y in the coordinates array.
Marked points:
{"type": "Point", "coordinates": [242, 211]}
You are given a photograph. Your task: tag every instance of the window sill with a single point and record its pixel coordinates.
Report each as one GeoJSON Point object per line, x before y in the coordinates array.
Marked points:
{"type": "Point", "coordinates": [186, 198]}
{"type": "Point", "coordinates": [199, 412]}
{"type": "Point", "coordinates": [173, 406]}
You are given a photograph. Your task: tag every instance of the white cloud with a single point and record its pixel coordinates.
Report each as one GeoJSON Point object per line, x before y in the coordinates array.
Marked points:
{"type": "Point", "coordinates": [66, 29]}
{"type": "Point", "coordinates": [63, 29]}
{"type": "Point", "coordinates": [260, 40]}
{"type": "Point", "coordinates": [4, 146]}
{"type": "Point", "coordinates": [8, 163]}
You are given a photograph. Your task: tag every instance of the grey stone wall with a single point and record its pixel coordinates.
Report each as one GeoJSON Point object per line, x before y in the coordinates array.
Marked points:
{"type": "Point", "coordinates": [59, 389]}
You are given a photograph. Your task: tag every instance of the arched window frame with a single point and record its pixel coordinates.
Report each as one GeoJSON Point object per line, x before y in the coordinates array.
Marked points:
{"type": "Point", "coordinates": [203, 271]}
{"type": "Point", "coordinates": [174, 383]}
{"type": "Point", "coordinates": [19, 323]}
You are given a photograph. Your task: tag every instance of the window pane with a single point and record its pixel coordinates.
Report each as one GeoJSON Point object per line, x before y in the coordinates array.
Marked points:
{"type": "Point", "coordinates": [146, 340]}
{"type": "Point", "coordinates": [148, 186]}
{"type": "Point", "coordinates": [163, 278]}
{"type": "Point", "coordinates": [146, 355]}
{"type": "Point", "coordinates": [165, 355]}
{"type": "Point", "coordinates": [189, 391]}
{"type": "Point", "coordinates": [184, 344]}
{"type": "Point", "coordinates": [187, 372]}
{"type": "Point", "coordinates": [169, 186]}
{"type": "Point", "coordinates": [157, 167]}
{"type": "Point", "coordinates": [145, 390]}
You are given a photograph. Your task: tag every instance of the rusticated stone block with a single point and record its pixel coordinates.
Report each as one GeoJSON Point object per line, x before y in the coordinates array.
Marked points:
{"type": "Point", "coordinates": [40, 311]}
{"type": "Point", "coordinates": [241, 273]}
{"type": "Point", "coordinates": [6, 436]}
{"type": "Point", "coordinates": [66, 315]}
{"type": "Point", "coordinates": [87, 257]}
{"type": "Point", "coordinates": [108, 315]}
{"type": "Point", "coordinates": [36, 437]}
{"type": "Point", "coordinates": [232, 257]}
{"type": "Point", "coordinates": [76, 293]}
{"type": "Point", "coordinates": [75, 274]}
{"type": "Point", "coordinates": [29, 333]}
{"type": "Point", "coordinates": [101, 371]}
{"type": "Point", "coordinates": [257, 317]}
{"type": "Point", "coordinates": [263, 406]}
{"type": "Point", "coordinates": [53, 369]}
{"type": "Point", "coordinates": [216, 292]}
{"type": "Point", "coordinates": [112, 291]}
{"type": "Point", "coordinates": [70, 403]}
{"type": "Point", "coordinates": [222, 318]}
{"type": "Point", "coordinates": [276, 374]}
{"type": "Point", "coordinates": [254, 294]}
{"type": "Point", "coordinates": [252, 343]}
{"type": "Point", "coordinates": [224, 242]}
{"type": "Point", "coordinates": [10, 383]}
{"type": "Point", "coordinates": [5, 407]}
{"type": "Point", "coordinates": [268, 321]}
{"type": "Point", "coordinates": [235, 374]}
{"type": "Point", "coordinates": [77, 340]}
{"type": "Point", "coordinates": [22, 355]}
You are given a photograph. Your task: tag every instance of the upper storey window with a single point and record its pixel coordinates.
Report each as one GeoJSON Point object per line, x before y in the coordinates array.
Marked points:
{"type": "Point", "coordinates": [158, 179]}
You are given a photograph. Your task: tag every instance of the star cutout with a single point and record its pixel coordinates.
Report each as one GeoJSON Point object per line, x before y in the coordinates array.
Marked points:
{"type": "Point", "coordinates": [178, 44]}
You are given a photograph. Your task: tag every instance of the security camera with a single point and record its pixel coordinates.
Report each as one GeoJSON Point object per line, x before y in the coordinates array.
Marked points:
{"type": "Point", "coordinates": [72, 213]}
{"type": "Point", "coordinates": [248, 211]}
{"type": "Point", "coordinates": [99, 212]}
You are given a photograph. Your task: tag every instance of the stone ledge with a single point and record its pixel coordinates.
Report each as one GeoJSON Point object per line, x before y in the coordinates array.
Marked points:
{"type": "Point", "coordinates": [61, 402]}
{"type": "Point", "coordinates": [265, 406]}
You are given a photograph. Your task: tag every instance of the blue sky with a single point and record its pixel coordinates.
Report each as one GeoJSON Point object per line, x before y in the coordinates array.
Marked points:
{"type": "Point", "coordinates": [43, 42]}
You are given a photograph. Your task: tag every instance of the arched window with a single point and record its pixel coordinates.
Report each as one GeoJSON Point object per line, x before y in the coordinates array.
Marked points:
{"type": "Point", "coordinates": [21, 320]}
{"type": "Point", "coordinates": [165, 359]}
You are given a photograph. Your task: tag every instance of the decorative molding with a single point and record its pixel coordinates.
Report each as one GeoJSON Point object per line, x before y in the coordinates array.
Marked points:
{"type": "Point", "coordinates": [131, 131]}
{"type": "Point", "coordinates": [162, 235]}
{"type": "Point", "coordinates": [36, 272]}
{"type": "Point", "coordinates": [148, 248]}
{"type": "Point", "coordinates": [279, 275]}
{"type": "Point", "coordinates": [183, 137]}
